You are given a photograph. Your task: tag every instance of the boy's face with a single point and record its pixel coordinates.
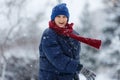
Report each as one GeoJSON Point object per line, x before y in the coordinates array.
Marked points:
{"type": "Point", "coordinates": [61, 20]}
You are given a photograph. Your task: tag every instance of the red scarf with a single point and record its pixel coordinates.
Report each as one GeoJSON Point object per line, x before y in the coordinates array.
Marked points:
{"type": "Point", "coordinates": [68, 31]}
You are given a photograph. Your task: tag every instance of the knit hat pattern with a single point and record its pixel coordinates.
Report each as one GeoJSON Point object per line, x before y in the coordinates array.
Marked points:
{"type": "Point", "coordinates": [60, 9]}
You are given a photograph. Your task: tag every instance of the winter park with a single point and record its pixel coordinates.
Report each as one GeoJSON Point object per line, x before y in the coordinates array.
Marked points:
{"type": "Point", "coordinates": [23, 23]}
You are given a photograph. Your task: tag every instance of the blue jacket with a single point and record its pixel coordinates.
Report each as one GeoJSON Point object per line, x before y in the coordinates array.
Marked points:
{"type": "Point", "coordinates": [58, 53]}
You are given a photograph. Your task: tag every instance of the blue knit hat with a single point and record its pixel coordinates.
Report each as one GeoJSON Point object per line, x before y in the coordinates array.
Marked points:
{"type": "Point", "coordinates": [60, 9]}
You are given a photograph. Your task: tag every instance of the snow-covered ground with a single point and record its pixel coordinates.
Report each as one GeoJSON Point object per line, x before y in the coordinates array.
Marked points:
{"type": "Point", "coordinates": [100, 76]}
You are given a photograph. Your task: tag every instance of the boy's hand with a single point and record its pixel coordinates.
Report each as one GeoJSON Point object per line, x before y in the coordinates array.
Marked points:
{"type": "Point", "coordinates": [88, 74]}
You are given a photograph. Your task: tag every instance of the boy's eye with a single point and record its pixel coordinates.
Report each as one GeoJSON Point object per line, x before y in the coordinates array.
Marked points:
{"type": "Point", "coordinates": [58, 16]}
{"type": "Point", "coordinates": [61, 16]}
{"type": "Point", "coordinates": [64, 16]}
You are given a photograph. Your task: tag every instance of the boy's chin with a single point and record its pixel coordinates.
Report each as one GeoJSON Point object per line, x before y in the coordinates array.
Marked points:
{"type": "Point", "coordinates": [62, 26]}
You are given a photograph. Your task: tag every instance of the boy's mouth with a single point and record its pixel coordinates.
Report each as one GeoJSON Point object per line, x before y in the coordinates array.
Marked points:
{"type": "Point", "coordinates": [61, 23]}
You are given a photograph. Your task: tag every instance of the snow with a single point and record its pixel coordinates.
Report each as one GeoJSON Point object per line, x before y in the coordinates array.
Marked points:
{"type": "Point", "coordinates": [116, 43]}
{"type": "Point", "coordinates": [96, 4]}
{"type": "Point", "coordinates": [5, 23]}
{"type": "Point", "coordinates": [82, 77]}
{"type": "Point", "coordinates": [102, 76]}
{"type": "Point", "coordinates": [33, 7]}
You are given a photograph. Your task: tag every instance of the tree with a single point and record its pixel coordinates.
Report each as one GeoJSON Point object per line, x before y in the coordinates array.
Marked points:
{"type": "Point", "coordinates": [88, 57]}
{"type": "Point", "coordinates": [110, 28]}
{"type": "Point", "coordinates": [18, 30]}
{"type": "Point", "coordinates": [21, 69]}
{"type": "Point", "coordinates": [59, 1]}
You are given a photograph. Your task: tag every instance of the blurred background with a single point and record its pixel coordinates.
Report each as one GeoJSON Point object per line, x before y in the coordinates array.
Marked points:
{"type": "Point", "coordinates": [22, 23]}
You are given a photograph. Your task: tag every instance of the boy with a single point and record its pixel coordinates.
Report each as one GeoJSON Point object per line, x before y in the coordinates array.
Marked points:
{"type": "Point", "coordinates": [59, 53]}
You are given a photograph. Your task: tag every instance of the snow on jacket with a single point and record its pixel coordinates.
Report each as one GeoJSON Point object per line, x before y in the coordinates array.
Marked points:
{"type": "Point", "coordinates": [58, 53]}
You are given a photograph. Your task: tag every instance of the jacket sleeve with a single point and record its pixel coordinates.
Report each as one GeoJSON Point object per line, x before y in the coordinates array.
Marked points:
{"type": "Point", "coordinates": [55, 55]}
